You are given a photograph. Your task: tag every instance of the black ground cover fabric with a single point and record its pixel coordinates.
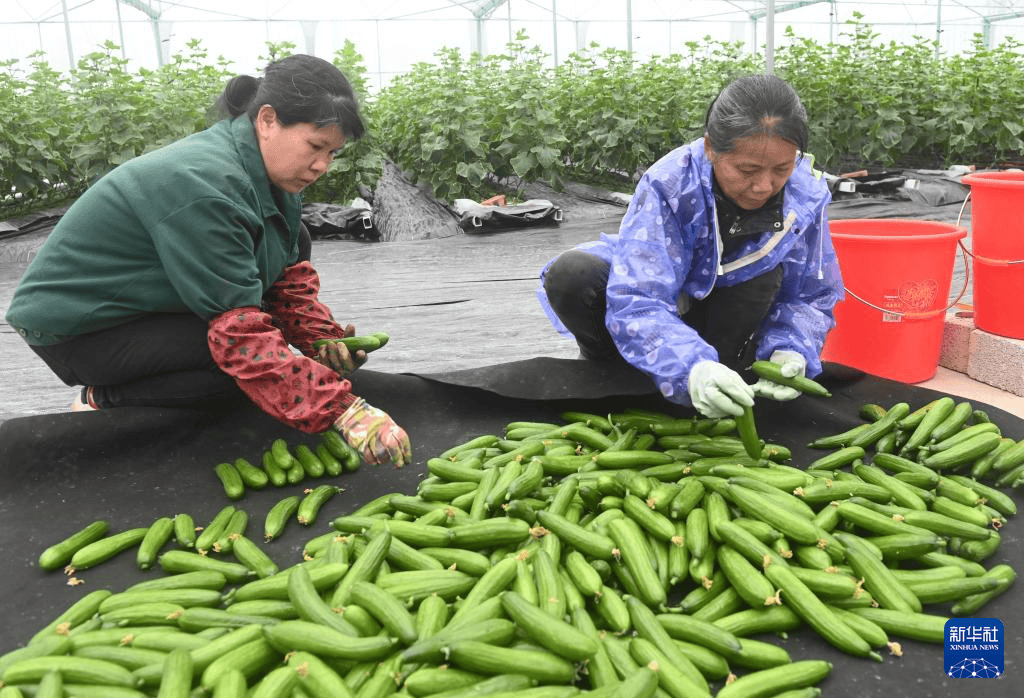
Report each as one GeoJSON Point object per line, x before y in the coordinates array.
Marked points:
{"type": "Point", "coordinates": [130, 466]}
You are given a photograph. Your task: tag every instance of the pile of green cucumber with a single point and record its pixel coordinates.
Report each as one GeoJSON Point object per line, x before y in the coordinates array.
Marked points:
{"type": "Point", "coordinates": [629, 555]}
{"type": "Point", "coordinates": [282, 465]}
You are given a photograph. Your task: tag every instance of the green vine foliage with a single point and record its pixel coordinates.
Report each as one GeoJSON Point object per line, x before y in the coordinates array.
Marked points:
{"type": "Point", "coordinates": [870, 102]}
{"type": "Point", "coordinates": [468, 126]}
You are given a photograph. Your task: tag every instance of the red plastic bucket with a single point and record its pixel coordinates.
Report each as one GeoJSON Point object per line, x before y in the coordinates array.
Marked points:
{"type": "Point", "coordinates": [997, 237]}
{"type": "Point", "coordinates": [897, 275]}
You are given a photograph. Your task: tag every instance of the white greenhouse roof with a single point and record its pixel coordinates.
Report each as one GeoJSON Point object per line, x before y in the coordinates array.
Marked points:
{"type": "Point", "coordinates": [392, 35]}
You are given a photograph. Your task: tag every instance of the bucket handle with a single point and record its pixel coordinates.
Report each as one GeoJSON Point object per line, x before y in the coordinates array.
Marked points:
{"type": "Point", "coordinates": [927, 313]}
{"type": "Point", "coordinates": [969, 253]}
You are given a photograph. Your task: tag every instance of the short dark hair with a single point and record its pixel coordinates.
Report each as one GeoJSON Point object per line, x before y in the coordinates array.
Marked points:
{"type": "Point", "coordinates": [300, 88]}
{"type": "Point", "coordinates": [756, 105]}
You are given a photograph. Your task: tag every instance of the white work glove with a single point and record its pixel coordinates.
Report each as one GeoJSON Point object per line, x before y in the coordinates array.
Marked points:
{"type": "Point", "coordinates": [791, 364]}
{"type": "Point", "coordinates": [717, 391]}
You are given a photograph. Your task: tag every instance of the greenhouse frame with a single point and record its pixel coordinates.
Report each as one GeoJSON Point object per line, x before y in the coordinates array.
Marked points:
{"type": "Point", "coordinates": [393, 35]}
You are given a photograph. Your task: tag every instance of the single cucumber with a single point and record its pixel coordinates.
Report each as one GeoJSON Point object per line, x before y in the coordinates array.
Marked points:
{"type": "Point", "coordinates": [1004, 574]}
{"type": "Point", "coordinates": [253, 557]}
{"type": "Point", "coordinates": [300, 635]}
{"type": "Point", "coordinates": [630, 541]}
{"type": "Point", "coordinates": [953, 422]}
{"type": "Point", "coordinates": [879, 580]}
{"type": "Point", "coordinates": [310, 506]}
{"type": "Point", "coordinates": [236, 526]}
{"type": "Point", "coordinates": [883, 426]}
{"type": "Point", "coordinates": [483, 658]}
{"type": "Point", "coordinates": [177, 561]}
{"type": "Point", "coordinates": [492, 533]}
{"type": "Point", "coordinates": [387, 608]}
{"type": "Point", "coordinates": [159, 532]}
{"type": "Point", "coordinates": [748, 432]}
{"type": "Point", "coordinates": [199, 618]}
{"type": "Point", "coordinates": [912, 420]}
{"type": "Point", "coordinates": [252, 659]}
{"type": "Point", "coordinates": [769, 370]}
{"type": "Point", "coordinates": [105, 548]}
{"type": "Point", "coordinates": [213, 530]}
{"type": "Point", "coordinates": [275, 473]}
{"type": "Point", "coordinates": [365, 567]}
{"type": "Point", "coordinates": [50, 644]}
{"type": "Point", "coordinates": [964, 453]}
{"type": "Point", "coordinates": [59, 554]}
{"type": "Point", "coordinates": [317, 678]}
{"type": "Point", "coordinates": [73, 669]}
{"type": "Point", "coordinates": [311, 465]}
{"type": "Point", "coordinates": [333, 466]}
{"type": "Point", "coordinates": [278, 682]}
{"type": "Point", "coordinates": [185, 530]}
{"type": "Point", "coordinates": [252, 476]}
{"type": "Point", "coordinates": [183, 596]}
{"type": "Point", "coordinates": [844, 438]}
{"type": "Point", "coordinates": [323, 574]}
{"type": "Point", "coordinates": [963, 435]}
{"type": "Point", "coordinates": [553, 633]}
{"type": "Point", "coordinates": [871, 412]}
{"type": "Point", "coordinates": [937, 412]}
{"type": "Point", "coordinates": [74, 616]}
{"type": "Point", "coordinates": [230, 480]}
{"type": "Point", "coordinates": [367, 343]}
{"type": "Point", "coordinates": [671, 675]}
{"type": "Point", "coordinates": [837, 459]}
{"type": "Point", "coordinates": [281, 454]}
{"type": "Point", "coordinates": [51, 685]}
{"type": "Point", "coordinates": [923, 627]}
{"type": "Point", "coordinates": [774, 681]}
{"type": "Point", "coordinates": [494, 631]}
{"type": "Point", "coordinates": [279, 516]}
{"type": "Point", "coordinates": [176, 681]}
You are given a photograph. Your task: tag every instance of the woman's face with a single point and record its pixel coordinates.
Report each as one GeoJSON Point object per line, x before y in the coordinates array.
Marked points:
{"type": "Point", "coordinates": [755, 170]}
{"type": "Point", "coordinates": [295, 156]}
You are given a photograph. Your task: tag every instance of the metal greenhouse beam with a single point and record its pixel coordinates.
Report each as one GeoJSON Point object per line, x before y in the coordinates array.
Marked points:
{"type": "Point", "coordinates": [67, 34]}
{"type": "Point", "coordinates": [785, 8]}
{"type": "Point", "coordinates": [987, 22]}
{"type": "Point", "coordinates": [480, 13]}
{"type": "Point", "coordinates": [769, 12]}
{"type": "Point", "coordinates": [154, 16]}
{"type": "Point", "coordinates": [486, 9]}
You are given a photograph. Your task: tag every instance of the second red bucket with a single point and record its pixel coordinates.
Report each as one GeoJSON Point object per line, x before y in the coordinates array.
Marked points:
{"type": "Point", "coordinates": [997, 242]}
{"type": "Point", "coordinates": [897, 274]}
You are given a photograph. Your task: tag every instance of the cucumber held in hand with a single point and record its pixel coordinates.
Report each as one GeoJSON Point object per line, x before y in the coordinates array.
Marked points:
{"type": "Point", "coordinates": [771, 371]}
{"type": "Point", "coordinates": [364, 342]}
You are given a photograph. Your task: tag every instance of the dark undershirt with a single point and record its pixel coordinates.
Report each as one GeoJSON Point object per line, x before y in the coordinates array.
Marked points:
{"type": "Point", "coordinates": [736, 223]}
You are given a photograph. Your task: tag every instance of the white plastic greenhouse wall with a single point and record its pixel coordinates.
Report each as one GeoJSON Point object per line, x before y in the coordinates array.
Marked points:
{"type": "Point", "coordinates": [392, 35]}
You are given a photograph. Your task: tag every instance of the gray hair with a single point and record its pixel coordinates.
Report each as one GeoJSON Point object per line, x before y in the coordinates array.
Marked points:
{"type": "Point", "coordinates": [756, 105]}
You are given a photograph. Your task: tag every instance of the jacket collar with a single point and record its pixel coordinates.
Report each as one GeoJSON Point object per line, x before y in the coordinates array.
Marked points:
{"type": "Point", "coordinates": [273, 200]}
{"type": "Point", "coordinates": [734, 222]}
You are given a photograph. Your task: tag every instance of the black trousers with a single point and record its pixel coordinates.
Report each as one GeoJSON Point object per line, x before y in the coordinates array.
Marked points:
{"type": "Point", "coordinates": [159, 360]}
{"type": "Point", "coordinates": [727, 319]}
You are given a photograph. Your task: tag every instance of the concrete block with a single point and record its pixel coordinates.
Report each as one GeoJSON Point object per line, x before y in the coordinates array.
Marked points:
{"type": "Point", "coordinates": [997, 361]}
{"type": "Point", "coordinates": [956, 342]}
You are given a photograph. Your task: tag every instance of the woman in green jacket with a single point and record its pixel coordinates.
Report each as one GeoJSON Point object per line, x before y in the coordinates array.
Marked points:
{"type": "Point", "coordinates": [183, 276]}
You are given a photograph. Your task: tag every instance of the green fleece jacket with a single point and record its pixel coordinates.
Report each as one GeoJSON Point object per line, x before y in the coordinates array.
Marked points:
{"type": "Point", "coordinates": [191, 227]}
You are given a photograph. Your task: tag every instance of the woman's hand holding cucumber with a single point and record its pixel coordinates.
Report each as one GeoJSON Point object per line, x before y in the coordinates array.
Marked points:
{"type": "Point", "coordinates": [338, 357]}
{"type": "Point", "coordinates": [791, 364]}
{"type": "Point", "coordinates": [718, 391]}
